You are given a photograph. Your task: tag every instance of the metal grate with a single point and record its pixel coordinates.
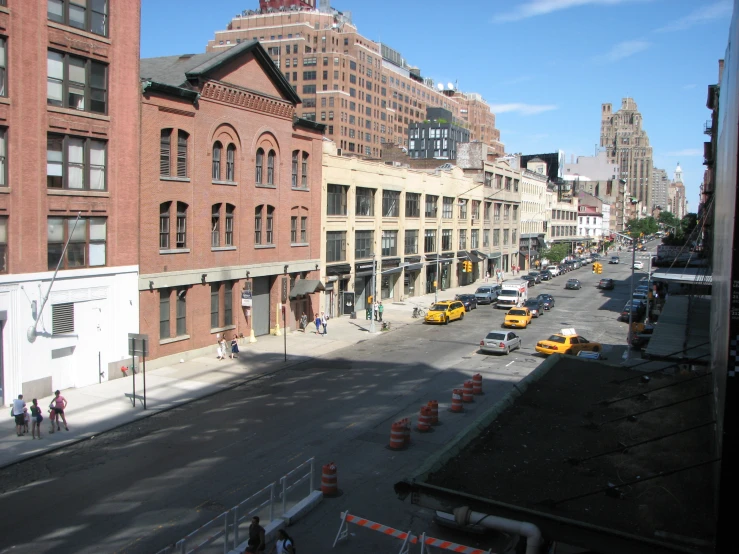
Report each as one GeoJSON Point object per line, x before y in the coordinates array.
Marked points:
{"type": "Point", "coordinates": [62, 318]}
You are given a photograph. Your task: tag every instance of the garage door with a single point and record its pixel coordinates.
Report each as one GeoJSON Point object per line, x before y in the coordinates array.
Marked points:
{"type": "Point", "coordinates": [260, 306]}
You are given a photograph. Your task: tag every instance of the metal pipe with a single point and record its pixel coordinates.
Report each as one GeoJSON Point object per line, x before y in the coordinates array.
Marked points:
{"type": "Point", "coordinates": [272, 501]}
{"type": "Point", "coordinates": [374, 299]}
{"type": "Point", "coordinates": [631, 301]}
{"type": "Point", "coordinates": [464, 516]}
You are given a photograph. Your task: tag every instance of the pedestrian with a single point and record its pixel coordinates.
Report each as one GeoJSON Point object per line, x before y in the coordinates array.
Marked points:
{"type": "Point", "coordinates": [224, 347]}
{"type": "Point", "coordinates": [375, 310]}
{"type": "Point", "coordinates": [380, 309]}
{"type": "Point", "coordinates": [59, 404]}
{"type": "Point", "coordinates": [17, 412]}
{"type": "Point", "coordinates": [324, 322]}
{"type": "Point", "coordinates": [36, 419]}
{"type": "Point", "coordinates": [219, 348]}
{"type": "Point", "coordinates": [26, 420]}
{"type": "Point", "coordinates": [487, 276]}
{"type": "Point", "coordinates": [234, 347]}
{"type": "Point", "coordinates": [284, 544]}
{"type": "Point", "coordinates": [257, 542]}
{"type": "Point", "coordinates": [317, 321]}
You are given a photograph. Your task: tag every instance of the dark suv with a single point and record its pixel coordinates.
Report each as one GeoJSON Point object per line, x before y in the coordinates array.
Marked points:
{"type": "Point", "coordinates": [606, 284]}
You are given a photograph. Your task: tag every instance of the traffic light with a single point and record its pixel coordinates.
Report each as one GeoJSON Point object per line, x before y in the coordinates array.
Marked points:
{"type": "Point", "coordinates": [598, 267]}
{"type": "Point", "coordinates": [467, 266]}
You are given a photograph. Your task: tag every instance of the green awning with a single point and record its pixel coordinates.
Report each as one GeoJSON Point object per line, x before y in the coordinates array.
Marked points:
{"type": "Point", "coordinates": [306, 286]}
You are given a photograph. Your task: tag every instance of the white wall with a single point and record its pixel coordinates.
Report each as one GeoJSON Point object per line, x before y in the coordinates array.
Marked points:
{"type": "Point", "coordinates": [106, 309]}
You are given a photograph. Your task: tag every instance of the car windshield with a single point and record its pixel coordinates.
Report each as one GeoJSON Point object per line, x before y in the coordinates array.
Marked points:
{"type": "Point", "coordinates": [572, 281]}
{"type": "Point", "coordinates": [516, 312]}
{"type": "Point", "coordinates": [543, 297]}
{"type": "Point", "coordinates": [534, 303]}
{"type": "Point", "coordinates": [557, 338]}
{"type": "Point", "coordinates": [483, 290]}
{"type": "Point", "coordinates": [495, 336]}
{"type": "Point", "coordinates": [508, 293]}
{"type": "Point", "coordinates": [465, 297]}
{"type": "Point", "coordinates": [438, 307]}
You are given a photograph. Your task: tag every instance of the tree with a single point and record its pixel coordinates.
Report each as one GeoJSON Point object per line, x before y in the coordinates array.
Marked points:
{"type": "Point", "coordinates": [645, 226]}
{"type": "Point", "coordinates": [556, 253]}
{"type": "Point", "coordinates": [688, 223]}
{"type": "Point", "coordinates": [668, 219]}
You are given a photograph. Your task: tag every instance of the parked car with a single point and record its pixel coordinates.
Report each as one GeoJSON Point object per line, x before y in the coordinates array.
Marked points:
{"type": "Point", "coordinates": [487, 294]}
{"type": "Point", "coordinates": [468, 300]}
{"type": "Point", "coordinates": [517, 317]}
{"type": "Point", "coordinates": [573, 284]}
{"type": "Point", "coordinates": [562, 269]}
{"type": "Point", "coordinates": [537, 277]}
{"type": "Point", "coordinates": [644, 289]}
{"type": "Point", "coordinates": [640, 310]}
{"type": "Point", "coordinates": [545, 276]}
{"type": "Point", "coordinates": [500, 342]}
{"type": "Point", "coordinates": [566, 344]}
{"type": "Point", "coordinates": [606, 284]}
{"type": "Point", "coordinates": [641, 339]}
{"type": "Point", "coordinates": [614, 260]}
{"type": "Point", "coordinates": [548, 301]}
{"type": "Point", "coordinates": [530, 279]}
{"type": "Point", "coordinates": [638, 265]}
{"type": "Point", "coordinates": [553, 270]}
{"type": "Point", "coordinates": [640, 296]}
{"type": "Point", "coordinates": [445, 311]}
{"type": "Point", "coordinates": [535, 306]}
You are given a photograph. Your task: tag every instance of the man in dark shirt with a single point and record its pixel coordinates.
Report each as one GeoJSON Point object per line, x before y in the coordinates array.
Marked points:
{"type": "Point", "coordinates": [256, 543]}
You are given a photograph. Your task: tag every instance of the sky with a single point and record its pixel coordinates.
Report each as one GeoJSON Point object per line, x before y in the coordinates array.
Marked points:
{"type": "Point", "coordinates": [544, 66]}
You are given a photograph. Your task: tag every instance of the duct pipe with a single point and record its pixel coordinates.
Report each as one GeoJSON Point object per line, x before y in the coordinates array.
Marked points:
{"type": "Point", "coordinates": [464, 516]}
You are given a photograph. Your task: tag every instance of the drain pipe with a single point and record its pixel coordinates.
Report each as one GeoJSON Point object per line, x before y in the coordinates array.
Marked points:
{"type": "Point", "coordinates": [464, 516]}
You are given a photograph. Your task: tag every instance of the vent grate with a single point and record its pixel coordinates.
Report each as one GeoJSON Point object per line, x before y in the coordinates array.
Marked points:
{"type": "Point", "coordinates": [62, 318]}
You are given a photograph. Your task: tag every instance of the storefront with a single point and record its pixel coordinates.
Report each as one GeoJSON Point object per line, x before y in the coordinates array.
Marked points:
{"type": "Point", "coordinates": [337, 285]}
{"type": "Point", "coordinates": [446, 270]}
{"type": "Point", "coordinates": [362, 284]}
{"type": "Point", "coordinates": [493, 263]}
{"type": "Point", "coordinates": [391, 272]}
{"type": "Point", "coordinates": [479, 267]}
{"type": "Point", "coordinates": [411, 276]}
{"type": "Point", "coordinates": [444, 264]}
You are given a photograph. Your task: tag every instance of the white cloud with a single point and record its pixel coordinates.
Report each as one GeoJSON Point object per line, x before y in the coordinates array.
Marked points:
{"type": "Point", "coordinates": [701, 15]}
{"type": "Point", "coordinates": [685, 153]}
{"type": "Point", "coordinates": [623, 50]}
{"type": "Point", "coordinates": [543, 7]}
{"type": "Point", "coordinates": [523, 109]}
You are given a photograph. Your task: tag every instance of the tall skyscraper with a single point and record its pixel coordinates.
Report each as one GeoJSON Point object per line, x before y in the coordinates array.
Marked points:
{"type": "Point", "coordinates": [660, 184]}
{"type": "Point", "coordinates": [365, 92]}
{"type": "Point", "coordinates": [627, 144]}
{"type": "Point", "coordinates": [676, 194]}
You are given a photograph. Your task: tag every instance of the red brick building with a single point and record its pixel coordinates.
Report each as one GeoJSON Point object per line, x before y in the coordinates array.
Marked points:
{"type": "Point", "coordinates": [231, 191]}
{"type": "Point", "coordinates": [69, 142]}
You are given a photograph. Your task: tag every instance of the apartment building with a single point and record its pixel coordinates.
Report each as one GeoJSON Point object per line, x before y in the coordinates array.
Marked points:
{"type": "Point", "coordinates": [68, 191]}
{"type": "Point", "coordinates": [230, 212]}
{"type": "Point", "coordinates": [417, 225]}
{"type": "Point", "coordinates": [365, 92]}
{"type": "Point", "coordinates": [475, 111]}
{"type": "Point", "coordinates": [676, 202]}
{"type": "Point", "coordinates": [627, 144]}
{"type": "Point", "coordinates": [593, 218]}
{"type": "Point", "coordinates": [436, 137]}
{"type": "Point", "coordinates": [660, 186]}
{"type": "Point", "coordinates": [534, 215]}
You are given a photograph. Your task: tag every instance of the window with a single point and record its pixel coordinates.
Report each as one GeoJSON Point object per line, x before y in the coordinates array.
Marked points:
{"type": "Point", "coordinates": [463, 209]}
{"type": "Point", "coordinates": [296, 153]}
{"type": "Point", "coordinates": [270, 222]}
{"type": "Point", "coordinates": [514, 234]}
{"type": "Point", "coordinates": [390, 203]}
{"type": "Point", "coordinates": [488, 179]}
{"type": "Point", "coordinates": [165, 163]}
{"type": "Point", "coordinates": [230, 208]}
{"type": "Point", "coordinates": [87, 238]}
{"type": "Point", "coordinates": [448, 208]}
{"type": "Point", "coordinates": [164, 225]}
{"type": "Point", "coordinates": [364, 244]}
{"type": "Point", "coordinates": [515, 185]}
{"type": "Point", "coordinates": [496, 237]}
{"type": "Point", "coordinates": [215, 305]}
{"type": "Point", "coordinates": [389, 243]}
{"type": "Point", "coordinates": [431, 205]}
{"type": "Point", "coordinates": [3, 245]}
{"type": "Point", "coordinates": [498, 181]}
{"type": "Point", "coordinates": [429, 241]}
{"type": "Point", "coordinates": [463, 239]}
{"type": "Point", "coordinates": [88, 15]}
{"type": "Point", "coordinates": [365, 204]}
{"type": "Point", "coordinates": [475, 209]}
{"type": "Point", "coordinates": [76, 83]}
{"type": "Point", "coordinates": [506, 212]}
{"type": "Point", "coordinates": [75, 163]}
{"type": "Point", "coordinates": [258, 224]}
{"type": "Point", "coordinates": [182, 137]}
{"type": "Point", "coordinates": [336, 199]}
{"type": "Point", "coordinates": [215, 226]}
{"type": "Point", "coordinates": [304, 229]}
{"type": "Point", "coordinates": [304, 171]}
{"type": "Point", "coordinates": [496, 212]}
{"type": "Point", "coordinates": [508, 183]}
{"type": "Point", "coordinates": [412, 205]}
{"type": "Point", "coordinates": [335, 246]}
{"type": "Point", "coordinates": [271, 167]}
{"type": "Point", "coordinates": [228, 303]}
{"type": "Point", "coordinates": [231, 163]}
{"type": "Point", "coordinates": [505, 236]}
{"type": "Point", "coordinates": [62, 318]}
{"type": "Point", "coordinates": [411, 242]}
{"type": "Point", "coordinates": [475, 239]}
{"type": "Point", "coordinates": [294, 229]}
{"type": "Point", "coordinates": [3, 164]}
{"type": "Point", "coordinates": [181, 312]}
{"type": "Point", "coordinates": [259, 163]}
{"type": "Point", "coordinates": [217, 150]}
{"type": "Point", "coordinates": [3, 67]}
{"type": "Point", "coordinates": [515, 213]}
{"type": "Point", "coordinates": [164, 295]}
{"type": "Point", "coordinates": [485, 238]}
{"type": "Point", "coordinates": [446, 239]}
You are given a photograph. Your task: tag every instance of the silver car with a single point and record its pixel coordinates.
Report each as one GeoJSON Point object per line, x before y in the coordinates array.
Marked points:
{"type": "Point", "coordinates": [500, 342]}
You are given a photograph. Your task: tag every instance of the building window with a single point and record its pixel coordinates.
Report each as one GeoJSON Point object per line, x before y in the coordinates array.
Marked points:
{"type": "Point", "coordinates": [429, 241]}
{"type": "Point", "coordinates": [447, 211]}
{"type": "Point", "coordinates": [365, 203]}
{"type": "Point", "coordinates": [508, 183]}
{"type": "Point", "coordinates": [181, 238]}
{"type": "Point", "coordinates": [364, 244]}
{"type": "Point", "coordinates": [515, 213]}
{"type": "Point", "coordinates": [335, 246]}
{"type": "Point", "coordinates": [165, 157]}
{"type": "Point", "coordinates": [75, 163]}
{"type": "Point", "coordinates": [228, 295]}
{"type": "Point", "coordinates": [485, 238]}
{"type": "Point", "coordinates": [182, 137]}
{"type": "Point", "coordinates": [463, 209]}
{"type": "Point", "coordinates": [294, 229]}
{"type": "Point", "coordinates": [505, 236]}
{"type": "Point", "coordinates": [164, 314]}
{"type": "Point", "coordinates": [229, 236]}
{"type": "Point", "coordinates": [390, 203]}
{"type": "Point", "coordinates": [3, 245]}
{"type": "Point", "coordinates": [3, 164]}
{"type": "Point", "coordinates": [215, 305]}
{"type": "Point", "coordinates": [336, 200]}
{"type": "Point", "coordinates": [270, 222]}
{"type": "Point", "coordinates": [304, 229]}
{"type": "Point", "coordinates": [258, 224]}
{"type": "Point", "coordinates": [498, 181]}
{"type": "Point", "coordinates": [215, 226]}
{"type": "Point", "coordinates": [304, 171]}
{"type": "Point", "coordinates": [88, 15]}
{"type": "Point", "coordinates": [164, 225]}
{"type": "Point", "coordinates": [474, 239]}
{"type": "Point", "coordinates": [87, 241]}
{"type": "Point", "coordinates": [506, 212]}
{"type": "Point", "coordinates": [446, 239]}
{"type": "Point", "coordinates": [62, 318]}
{"type": "Point", "coordinates": [389, 243]}
{"type": "Point", "coordinates": [181, 312]}
{"type": "Point", "coordinates": [515, 185]}
{"type": "Point", "coordinates": [217, 149]}
{"type": "Point", "coordinates": [295, 168]}
{"type": "Point", "coordinates": [431, 205]}
{"type": "Point", "coordinates": [496, 237]}
{"type": "Point", "coordinates": [463, 239]}
{"type": "Point", "coordinates": [412, 205]}
{"type": "Point", "coordinates": [496, 212]}
{"type": "Point", "coordinates": [411, 242]}
{"type": "Point", "coordinates": [3, 67]}
{"type": "Point", "coordinates": [231, 163]}
{"type": "Point", "coordinates": [259, 164]}
{"type": "Point", "coordinates": [76, 83]}
{"type": "Point", "coordinates": [271, 167]}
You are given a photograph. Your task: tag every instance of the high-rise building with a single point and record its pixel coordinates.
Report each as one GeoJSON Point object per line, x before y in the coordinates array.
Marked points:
{"type": "Point", "coordinates": [660, 184]}
{"type": "Point", "coordinates": [676, 194]}
{"type": "Point", "coordinates": [627, 144]}
{"type": "Point", "coordinates": [365, 92]}
{"type": "Point", "coordinates": [437, 136]}
{"type": "Point", "coordinates": [69, 143]}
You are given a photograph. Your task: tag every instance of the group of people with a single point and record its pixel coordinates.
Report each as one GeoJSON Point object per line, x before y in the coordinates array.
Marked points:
{"type": "Point", "coordinates": [24, 419]}
{"type": "Point", "coordinates": [321, 322]}
{"type": "Point", "coordinates": [257, 543]}
{"type": "Point", "coordinates": [222, 348]}
{"type": "Point", "coordinates": [374, 307]}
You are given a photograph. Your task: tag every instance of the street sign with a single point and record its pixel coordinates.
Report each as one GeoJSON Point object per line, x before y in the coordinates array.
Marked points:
{"type": "Point", "coordinates": [246, 297]}
{"type": "Point", "coordinates": [138, 344]}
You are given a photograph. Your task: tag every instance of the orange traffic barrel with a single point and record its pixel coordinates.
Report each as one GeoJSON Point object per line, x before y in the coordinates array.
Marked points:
{"type": "Point", "coordinates": [397, 436]}
{"type": "Point", "coordinates": [329, 480]}
{"type": "Point", "coordinates": [434, 407]}
{"type": "Point", "coordinates": [457, 401]}
{"type": "Point", "coordinates": [467, 394]}
{"type": "Point", "coordinates": [424, 420]}
{"type": "Point", "coordinates": [477, 384]}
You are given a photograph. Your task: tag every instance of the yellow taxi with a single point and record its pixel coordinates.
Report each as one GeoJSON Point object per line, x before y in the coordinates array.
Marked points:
{"type": "Point", "coordinates": [567, 342]}
{"type": "Point", "coordinates": [517, 317]}
{"type": "Point", "coordinates": [445, 311]}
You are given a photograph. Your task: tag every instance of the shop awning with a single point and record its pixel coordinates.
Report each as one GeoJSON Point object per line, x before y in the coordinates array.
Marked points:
{"type": "Point", "coordinates": [414, 267]}
{"type": "Point", "coordinates": [683, 275]}
{"type": "Point", "coordinates": [474, 258]}
{"type": "Point", "coordinates": [391, 270]}
{"type": "Point", "coordinates": [463, 255]}
{"type": "Point", "coordinates": [494, 255]}
{"type": "Point", "coordinates": [480, 255]}
{"type": "Point", "coordinates": [306, 286]}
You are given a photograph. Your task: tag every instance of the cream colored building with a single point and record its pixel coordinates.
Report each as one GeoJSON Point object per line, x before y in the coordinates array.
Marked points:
{"type": "Point", "coordinates": [562, 225]}
{"type": "Point", "coordinates": [534, 214]}
{"type": "Point", "coordinates": [419, 226]}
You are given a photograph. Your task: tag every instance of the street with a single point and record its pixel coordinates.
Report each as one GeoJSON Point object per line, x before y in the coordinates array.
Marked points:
{"type": "Point", "coordinates": [146, 485]}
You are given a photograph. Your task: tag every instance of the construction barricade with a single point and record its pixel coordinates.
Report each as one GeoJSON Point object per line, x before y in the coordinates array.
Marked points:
{"type": "Point", "coordinates": [329, 480]}
{"type": "Point", "coordinates": [477, 384]}
{"type": "Point", "coordinates": [467, 392]}
{"type": "Point", "coordinates": [457, 401]}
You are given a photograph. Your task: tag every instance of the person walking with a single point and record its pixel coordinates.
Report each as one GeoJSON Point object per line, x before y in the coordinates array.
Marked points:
{"type": "Point", "coordinates": [257, 542]}
{"type": "Point", "coordinates": [234, 347]}
{"type": "Point", "coordinates": [487, 276]}
{"type": "Point", "coordinates": [18, 406]}
{"type": "Point", "coordinates": [219, 348]}
{"type": "Point", "coordinates": [380, 309]}
{"type": "Point", "coordinates": [284, 544]}
{"type": "Point", "coordinates": [36, 419]}
{"type": "Point", "coordinates": [224, 346]}
{"type": "Point", "coordinates": [26, 420]}
{"type": "Point", "coordinates": [58, 405]}
{"type": "Point", "coordinates": [324, 322]}
{"type": "Point", "coordinates": [317, 322]}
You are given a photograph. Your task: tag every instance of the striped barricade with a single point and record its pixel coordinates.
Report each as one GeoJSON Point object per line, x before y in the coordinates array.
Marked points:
{"type": "Point", "coordinates": [448, 545]}
{"type": "Point", "coordinates": [347, 518]}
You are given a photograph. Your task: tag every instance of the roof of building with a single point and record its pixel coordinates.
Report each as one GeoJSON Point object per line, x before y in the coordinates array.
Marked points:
{"type": "Point", "coordinates": [682, 333]}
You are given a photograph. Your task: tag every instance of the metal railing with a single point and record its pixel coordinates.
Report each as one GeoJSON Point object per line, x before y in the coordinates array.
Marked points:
{"type": "Point", "coordinates": [223, 532]}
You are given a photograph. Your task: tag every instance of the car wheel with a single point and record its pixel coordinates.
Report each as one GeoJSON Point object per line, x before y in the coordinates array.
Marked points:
{"type": "Point", "coordinates": [461, 316]}
{"type": "Point", "coordinates": [569, 352]}
{"type": "Point", "coordinates": [520, 344]}
{"type": "Point", "coordinates": [446, 321]}
{"type": "Point", "coordinates": [507, 350]}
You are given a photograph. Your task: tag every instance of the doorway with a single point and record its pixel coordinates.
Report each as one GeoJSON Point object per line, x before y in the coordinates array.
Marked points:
{"type": "Point", "coordinates": [260, 308]}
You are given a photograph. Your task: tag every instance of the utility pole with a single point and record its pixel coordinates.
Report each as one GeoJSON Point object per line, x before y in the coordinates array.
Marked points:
{"type": "Point", "coordinates": [438, 253]}
{"type": "Point", "coordinates": [372, 305]}
{"type": "Point", "coordinates": [631, 301]}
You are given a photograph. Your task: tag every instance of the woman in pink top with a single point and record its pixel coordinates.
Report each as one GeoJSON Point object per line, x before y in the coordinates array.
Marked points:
{"type": "Point", "coordinates": [58, 405]}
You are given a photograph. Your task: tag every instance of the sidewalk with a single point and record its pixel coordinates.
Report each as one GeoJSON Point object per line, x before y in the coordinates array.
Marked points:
{"type": "Point", "coordinates": [95, 409]}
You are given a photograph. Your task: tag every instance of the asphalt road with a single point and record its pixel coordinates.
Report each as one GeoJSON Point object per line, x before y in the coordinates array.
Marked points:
{"type": "Point", "coordinates": [146, 485]}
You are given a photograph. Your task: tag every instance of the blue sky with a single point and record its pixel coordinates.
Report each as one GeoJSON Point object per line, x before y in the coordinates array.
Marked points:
{"type": "Point", "coordinates": [544, 66]}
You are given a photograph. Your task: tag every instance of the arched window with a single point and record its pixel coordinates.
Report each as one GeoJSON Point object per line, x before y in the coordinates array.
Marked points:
{"type": "Point", "coordinates": [182, 138]}
{"type": "Point", "coordinates": [215, 226]}
{"type": "Point", "coordinates": [270, 224]}
{"type": "Point", "coordinates": [181, 238]}
{"type": "Point", "coordinates": [295, 168]}
{"type": "Point", "coordinates": [304, 171]}
{"type": "Point", "coordinates": [165, 152]}
{"type": "Point", "coordinates": [164, 225]}
{"type": "Point", "coordinates": [230, 208]}
{"type": "Point", "coordinates": [217, 148]}
{"type": "Point", "coordinates": [260, 162]}
{"type": "Point", "coordinates": [271, 167]}
{"type": "Point", "coordinates": [230, 163]}
{"type": "Point", "coordinates": [258, 224]}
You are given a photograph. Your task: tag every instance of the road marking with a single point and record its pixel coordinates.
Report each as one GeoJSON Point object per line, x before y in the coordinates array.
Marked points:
{"type": "Point", "coordinates": [251, 436]}
{"type": "Point", "coordinates": [510, 363]}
